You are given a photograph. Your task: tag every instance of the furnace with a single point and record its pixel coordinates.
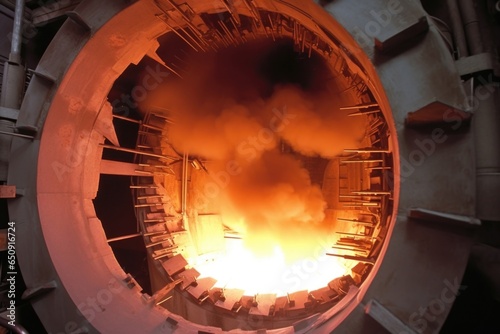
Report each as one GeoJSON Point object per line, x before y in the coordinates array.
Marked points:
{"type": "Point", "coordinates": [270, 166]}
{"type": "Point", "coordinates": [262, 167]}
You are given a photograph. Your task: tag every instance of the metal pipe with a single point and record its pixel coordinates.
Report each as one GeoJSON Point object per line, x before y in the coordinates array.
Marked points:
{"type": "Point", "coordinates": [5, 147]}
{"type": "Point", "coordinates": [16, 329]}
{"type": "Point", "coordinates": [14, 73]}
{"type": "Point", "coordinates": [471, 26]}
{"type": "Point", "coordinates": [457, 28]}
{"type": "Point", "coordinates": [486, 125]}
{"type": "Point", "coordinates": [15, 53]}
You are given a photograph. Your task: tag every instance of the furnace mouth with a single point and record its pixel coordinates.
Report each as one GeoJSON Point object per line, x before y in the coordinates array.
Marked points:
{"type": "Point", "coordinates": [187, 186]}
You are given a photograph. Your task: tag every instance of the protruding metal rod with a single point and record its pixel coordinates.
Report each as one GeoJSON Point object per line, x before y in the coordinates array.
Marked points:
{"type": "Point", "coordinates": [177, 8]}
{"type": "Point", "coordinates": [358, 246]}
{"type": "Point", "coordinates": [180, 36]}
{"type": "Point", "coordinates": [354, 258]}
{"type": "Point", "coordinates": [378, 122]}
{"type": "Point", "coordinates": [272, 26]}
{"type": "Point", "coordinates": [162, 63]}
{"type": "Point", "coordinates": [303, 41]}
{"type": "Point", "coordinates": [360, 106]}
{"type": "Point", "coordinates": [150, 196]}
{"type": "Point", "coordinates": [197, 41]}
{"type": "Point", "coordinates": [161, 242]}
{"type": "Point", "coordinates": [253, 11]}
{"type": "Point", "coordinates": [362, 203]}
{"type": "Point", "coordinates": [127, 119]}
{"type": "Point", "coordinates": [13, 134]}
{"type": "Point", "coordinates": [154, 220]}
{"type": "Point", "coordinates": [164, 300]}
{"type": "Point", "coordinates": [364, 113]}
{"type": "Point", "coordinates": [355, 221]}
{"type": "Point", "coordinates": [143, 172]}
{"type": "Point", "coordinates": [361, 161]}
{"type": "Point", "coordinates": [356, 235]}
{"type": "Point", "coordinates": [379, 168]}
{"type": "Point", "coordinates": [152, 127]}
{"type": "Point", "coordinates": [372, 192]}
{"type": "Point", "coordinates": [163, 117]}
{"type": "Point", "coordinates": [235, 24]}
{"type": "Point", "coordinates": [229, 35]}
{"type": "Point", "coordinates": [125, 237]}
{"type": "Point", "coordinates": [188, 22]}
{"type": "Point", "coordinates": [223, 39]}
{"type": "Point", "coordinates": [185, 168]}
{"type": "Point", "coordinates": [158, 4]}
{"type": "Point", "coordinates": [351, 249]}
{"type": "Point", "coordinates": [228, 8]}
{"type": "Point", "coordinates": [160, 256]}
{"type": "Point", "coordinates": [149, 205]}
{"type": "Point", "coordinates": [129, 150]}
{"type": "Point", "coordinates": [144, 187]}
{"type": "Point", "coordinates": [365, 150]}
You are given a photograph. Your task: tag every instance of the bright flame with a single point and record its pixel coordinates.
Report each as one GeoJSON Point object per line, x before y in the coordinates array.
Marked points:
{"type": "Point", "coordinates": [240, 268]}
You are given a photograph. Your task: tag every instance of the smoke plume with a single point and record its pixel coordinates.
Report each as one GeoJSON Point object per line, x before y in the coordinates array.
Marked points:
{"type": "Point", "coordinates": [227, 109]}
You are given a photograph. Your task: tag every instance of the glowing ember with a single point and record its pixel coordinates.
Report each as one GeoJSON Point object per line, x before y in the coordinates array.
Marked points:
{"type": "Point", "coordinates": [239, 268]}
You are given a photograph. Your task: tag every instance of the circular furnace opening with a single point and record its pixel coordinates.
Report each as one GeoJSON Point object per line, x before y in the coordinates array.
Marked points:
{"type": "Point", "coordinates": [261, 168]}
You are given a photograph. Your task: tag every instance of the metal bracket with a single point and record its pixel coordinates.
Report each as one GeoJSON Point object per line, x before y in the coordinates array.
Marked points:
{"type": "Point", "coordinates": [385, 318]}
{"type": "Point", "coordinates": [38, 291]}
{"type": "Point", "coordinates": [9, 113]}
{"type": "Point", "coordinates": [443, 218]}
{"type": "Point", "coordinates": [78, 19]}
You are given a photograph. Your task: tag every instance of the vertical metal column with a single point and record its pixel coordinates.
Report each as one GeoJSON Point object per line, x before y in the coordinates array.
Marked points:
{"type": "Point", "coordinates": [458, 28]}
{"type": "Point", "coordinates": [14, 72]}
{"type": "Point", "coordinates": [12, 90]}
{"type": "Point", "coordinates": [471, 26]}
{"type": "Point", "coordinates": [487, 136]}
